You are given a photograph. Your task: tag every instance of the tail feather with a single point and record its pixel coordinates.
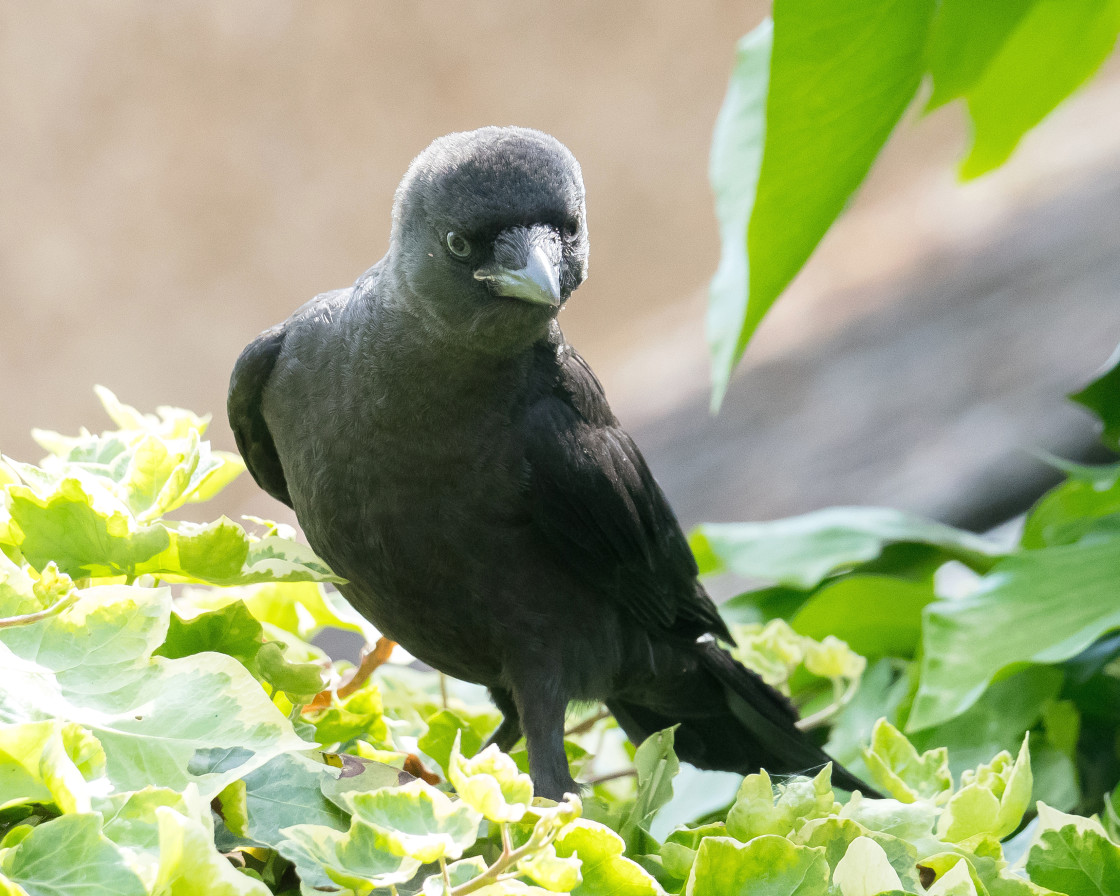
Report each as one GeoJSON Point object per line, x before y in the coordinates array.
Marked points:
{"type": "Point", "coordinates": [750, 726]}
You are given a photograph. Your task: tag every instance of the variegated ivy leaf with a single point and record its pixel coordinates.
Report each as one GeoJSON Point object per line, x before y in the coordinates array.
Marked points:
{"type": "Point", "coordinates": [491, 783]}
{"type": "Point", "coordinates": [50, 762]}
{"type": "Point", "coordinates": [326, 859]}
{"type": "Point", "coordinates": [898, 769]}
{"type": "Point", "coordinates": [416, 820]}
{"type": "Point", "coordinates": [165, 722]}
{"type": "Point", "coordinates": [991, 799]}
{"type": "Point", "coordinates": [760, 808]}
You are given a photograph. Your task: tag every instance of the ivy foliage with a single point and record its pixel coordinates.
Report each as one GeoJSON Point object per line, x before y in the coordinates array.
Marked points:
{"type": "Point", "coordinates": [163, 733]}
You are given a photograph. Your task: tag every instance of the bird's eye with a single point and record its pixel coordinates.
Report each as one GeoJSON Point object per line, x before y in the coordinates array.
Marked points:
{"type": "Point", "coordinates": [571, 228]}
{"type": "Point", "coordinates": [459, 245]}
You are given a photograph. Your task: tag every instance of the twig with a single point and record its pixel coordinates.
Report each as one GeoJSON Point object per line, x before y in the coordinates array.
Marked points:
{"type": "Point", "coordinates": [611, 776]}
{"type": "Point", "coordinates": [588, 723]}
{"type": "Point", "coordinates": [370, 660]}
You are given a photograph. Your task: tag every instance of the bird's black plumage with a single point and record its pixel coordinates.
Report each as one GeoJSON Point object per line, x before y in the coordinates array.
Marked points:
{"type": "Point", "coordinates": [448, 453]}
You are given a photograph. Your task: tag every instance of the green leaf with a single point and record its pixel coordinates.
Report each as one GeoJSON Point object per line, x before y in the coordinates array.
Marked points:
{"type": "Point", "coordinates": [991, 799]}
{"type": "Point", "coordinates": [160, 721]}
{"type": "Point", "coordinates": [69, 856]}
{"type": "Point", "coordinates": [286, 791]}
{"type": "Point", "coordinates": [491, 784]}
{"type": "Point", "coordinates": [898, 769]}
{"type": "Point", "coordinates": [837, 835]}
{"type": "Point", "coordinates": [1026, 600]}
{"type": "Point", "coordinates": [759, 810]}
{"type": "Point", "coordinates": [559, 875]}
{"type": "Point", "coordinates": [657, 766]}
{"type": "Point", "coordinates": [1057, 45]}
{"type": "Point", "coordinates": [733, 170]}
{"type": "Point", "coordinates": [1070, 510]}
{"type": "Point", "coordinates": [966, 37]}
{"type": "Point", "coordinates": [802, 551]}
{"type": "Point", "coordinates": [85, 535]}
{"type": "Point", "coordinates": [417, 820]}
{"type": "Point", "coordinates": [1073, 855]}
{"type": "Point", "coordinates": [876, 615]}
{"type": "Point", "coordinates": [326, 859]}
{"type": "Point", "coordinates": [840, 78]}
{"type": "Point", "coordinates": [865, 870]}
{"type": "Point", "coordinates": [49, 762]}
{"type": "Point", "coordinates": [448, 727]}
{"type": "Point", "coordinates": [189, 863]}
{"type": "Point", "coordinates": [997, 721]}
{"type": "Point", "coordinates": [1102, 397]}
{"type": "Point", "coordinates": [603, 866]}
{"type": "Point", "coordinates": [957, 881]}
{"type": "Point", "coordinates": [766, 866]}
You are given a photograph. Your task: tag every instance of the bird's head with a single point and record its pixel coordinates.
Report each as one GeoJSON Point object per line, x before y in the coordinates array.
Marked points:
{"type": "Point", "coordinates": [490, 235]}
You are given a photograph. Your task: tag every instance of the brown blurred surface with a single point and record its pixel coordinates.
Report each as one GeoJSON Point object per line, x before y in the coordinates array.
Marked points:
{"type": "Point", "coordinates": [178, 176]}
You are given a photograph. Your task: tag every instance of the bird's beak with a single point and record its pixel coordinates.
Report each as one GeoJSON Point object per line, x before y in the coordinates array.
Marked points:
{"type": "Point", "coordinates": [537, 281]}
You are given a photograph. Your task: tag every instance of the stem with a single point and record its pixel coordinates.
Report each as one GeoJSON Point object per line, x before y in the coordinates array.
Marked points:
{"type": "Point", "coordinates": [588, 723]}
{"type": "Point", "coordinates": [841, 698]}
{"type": "Point", "coordinates": [443, 689]}
{"type": "Point", "coordinates": [505, 861]}
{"type": "Point", "coordinates": [612, 776]}
{"type": "Point", "coordinates": [446, 875]}
{"type": "Point", "coordinates": [28, 618]}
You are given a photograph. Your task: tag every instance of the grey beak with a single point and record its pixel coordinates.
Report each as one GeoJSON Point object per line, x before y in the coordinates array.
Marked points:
{"type": "Point", "coordinates": [537, 282]}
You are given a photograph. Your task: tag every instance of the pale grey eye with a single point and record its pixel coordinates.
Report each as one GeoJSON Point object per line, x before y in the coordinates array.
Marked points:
{"type": "Point", "coordinates": [458, 244]}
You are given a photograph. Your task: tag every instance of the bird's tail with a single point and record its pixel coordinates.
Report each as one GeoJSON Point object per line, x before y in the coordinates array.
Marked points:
{"type": "Point", "coordinates": [729, 719]}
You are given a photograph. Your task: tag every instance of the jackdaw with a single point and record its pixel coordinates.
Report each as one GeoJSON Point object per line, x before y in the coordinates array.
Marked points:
{"type": "Point", "coordinates": [450, 455]}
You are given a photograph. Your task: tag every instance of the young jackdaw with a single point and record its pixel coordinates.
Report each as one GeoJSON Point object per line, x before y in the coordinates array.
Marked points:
{"type": "Point", "coordinates": [450, 455]}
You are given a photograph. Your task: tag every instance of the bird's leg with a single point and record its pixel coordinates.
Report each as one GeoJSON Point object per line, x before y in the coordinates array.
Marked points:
{"type": "Point", "coordinates": [542, 716]}
{"type": "Point", "coordinates": [509, 732]}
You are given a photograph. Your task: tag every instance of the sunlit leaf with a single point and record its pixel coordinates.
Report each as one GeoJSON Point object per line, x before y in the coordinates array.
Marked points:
{"type": "Point", "coordinates": [904, 774]}
{"type": "Point", "coordinates": [768, 865]}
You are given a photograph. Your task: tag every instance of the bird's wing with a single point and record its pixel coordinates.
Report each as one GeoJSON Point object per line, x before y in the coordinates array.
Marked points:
{"type": "Point", "coordinates": [596, 504]}
{"type": "Point", "coordinates": [246, 416]}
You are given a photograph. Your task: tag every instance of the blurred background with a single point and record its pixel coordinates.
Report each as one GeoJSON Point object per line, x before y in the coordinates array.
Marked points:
{"type": "Point", "coordinates": [177, 176]}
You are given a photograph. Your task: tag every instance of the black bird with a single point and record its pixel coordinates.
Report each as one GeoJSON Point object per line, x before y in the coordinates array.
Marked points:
{"type": "Point", "coordinates": [447, 452]}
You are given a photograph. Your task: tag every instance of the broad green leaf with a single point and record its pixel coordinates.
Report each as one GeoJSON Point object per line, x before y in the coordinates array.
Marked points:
{"type": "Point", "coordinates": [957, 881]}
{"type": "Point", "coordinates": [839, 80]}
{"type": "Point", "coordinates": [132, 823]}
{"type": "Point", "coordinates": [903, 821]}
{"type": "Point", "coordinates": [417, 820]}
{"type": "Point", "coordinates": [359, 714]}
{"type": "Point", "coordinates": [1102, 396]}
{"type": "Point", "coordinates": [759, 810]}
{"type": "Point", "coordinates": [69, 856]}
{"type": "Point", "coordinates": [766, 866]}
{"type": "Point", "coordinates": [603, 866]}
{"type": "Point", "coordinates": [287, 791]}
{"type": "Point", "coordinates": [888, 621]}
{"type": "Point", "coordinates": [837, 835]}
{"type": "Point", "coordinates": [448, 727]}
{"type": "Point", "coordinates": [802, 551]}
{"type": "Point", "coordinates": [326, 858]}
{"type": "Point", "coordinates": [546, 868]}
{"type": "Point", "coordinates": [161, 721]}
{"type": "Point", "coordinates": [491, 784]}
{"type": "Point", "coordinates": [733, 170]}
{"type": "Point", "coordinates": [49, 762]}
{"type": "Point", "coordinates": [358, 774]}
{"type": "Point", "coordinates": [1026, 601]}
{"type": "Point", "coordinates": [1057, 45]}
{"type": "Point", "coordinates": [865, 870]}
{"type": "Point", "coordinates": [898, 769]}
{"type": "Point", "coordinates": [657, 766]}
{"type": "Point", "coordinates": [997, 721]}
{"type": "Point", "coordinates": [189, 863]}
{"type": "Point", "coordinates": [1073, 855]}
{"type": "Point", "coordinates": [991, 799]}
{"type": "Point", "coordinates": [85, 534]}
{"type": "Point", "coordinates": [1070, 510]}
{"type": "Point", "coordinates": [966, 36]}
